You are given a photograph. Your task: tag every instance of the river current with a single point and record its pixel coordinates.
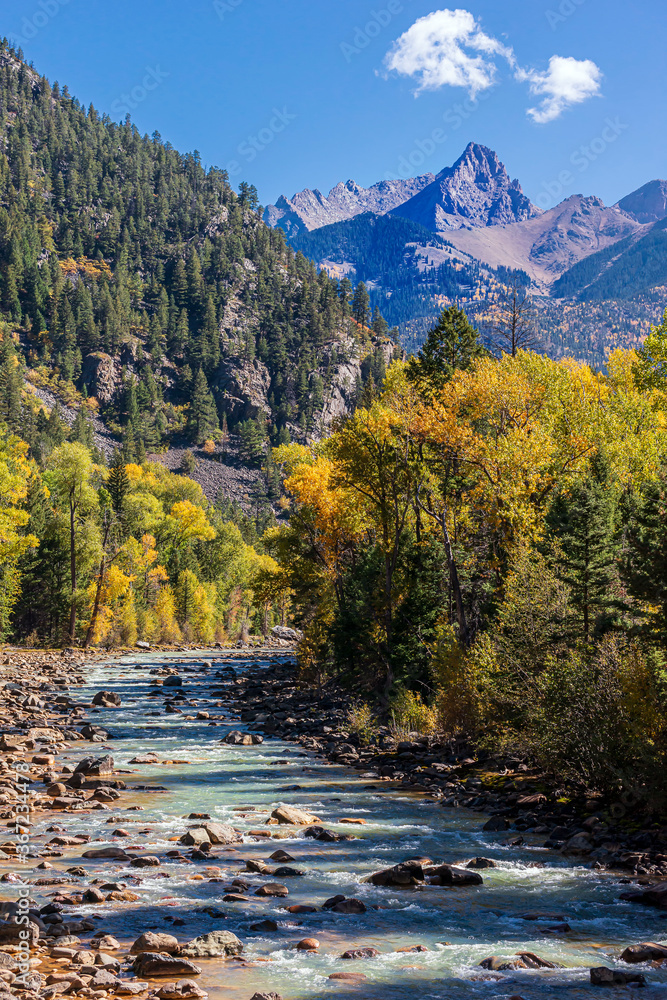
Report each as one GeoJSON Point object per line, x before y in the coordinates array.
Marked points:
{"type": "Point", "coordinates": [240, 785]}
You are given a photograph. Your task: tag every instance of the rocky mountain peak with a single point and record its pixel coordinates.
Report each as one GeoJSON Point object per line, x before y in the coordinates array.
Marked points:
{"type": "Point", "coordinates": [648, 203]}
{"type": "Point", "coordinates": [475, 191]}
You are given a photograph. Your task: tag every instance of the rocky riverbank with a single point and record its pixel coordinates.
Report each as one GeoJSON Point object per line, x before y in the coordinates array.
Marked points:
{"type": "Point", "coordinates": [514, 798]}
{"type": "Point", "coordinates": [56, 766]}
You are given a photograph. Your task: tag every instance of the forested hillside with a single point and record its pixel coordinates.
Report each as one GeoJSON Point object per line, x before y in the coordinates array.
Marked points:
{"type": "Point", "coordinates": [132, 276]}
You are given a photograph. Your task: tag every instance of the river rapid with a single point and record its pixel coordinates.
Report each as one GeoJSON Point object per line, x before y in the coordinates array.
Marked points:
{"type": "Point", "coordinates": [241, 785]}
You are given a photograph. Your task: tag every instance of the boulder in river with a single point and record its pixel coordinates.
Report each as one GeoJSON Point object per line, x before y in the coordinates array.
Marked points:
{"type": "Point", "coordinates": [184, 989]}
{"type": "Point", "coordinates": [107, 699]}
{"type": "Point", "coordinates": [647, 951]}
{"type": "Point", "coordinates": [95, 766]}
{"type": "Point", "coordinates": [450, 875]}
{"type": "Point", "coordinates": [610, 977]}
{"type": "Point", "coordinates": [107, 853]}
{"type": "Point", "coordinates": [290, 816]}
{"type": "Point", "coordinates": [273, 889]}
{"type": "Point", "coordinates": [221, 833]}
{"type": "Point", "coordinates": [151, 963]}
{"type": "Point", "coordinates": [653, 895]}
{"type": "Point", "coordinates": [355, 953]}
{"type": "Point", "coordinates": [215, 944]}
{"type": "Point", "coordinates": [405, 874]}
{"type": "Point", "coordinates": [266, 996]}
{"type": "Point", "coordinates": [340, 904]}
{"type": "Point", "coordinates": [308, 944]}
{"type": "Point", "coordinates": [238, 739]}
{"type": "Point", "coordinates": [152, 942]}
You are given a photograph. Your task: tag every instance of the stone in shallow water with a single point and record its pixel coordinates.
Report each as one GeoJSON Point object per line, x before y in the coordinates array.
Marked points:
{"type": "Point", "coordinates": [647, 951]}
{"type": "Point", "coordinates": [151, 942]}
{"type": "Point", "coordinates": [355, 953]}
{"type": "Point", "coordinates": [215, 944]}
{"type": "Point", "coordinates": [184, 989]}
{"type": "Point", "coordinates": [161, 964]}
{"type": "Point", "coordinates": [609, 977]}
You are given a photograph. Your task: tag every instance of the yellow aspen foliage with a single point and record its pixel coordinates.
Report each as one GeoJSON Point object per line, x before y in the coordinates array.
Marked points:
{"type": "Point", "coordinates": [165, 613]}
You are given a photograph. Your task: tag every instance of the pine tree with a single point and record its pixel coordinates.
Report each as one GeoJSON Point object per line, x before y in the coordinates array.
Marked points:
{"type": "Point", "coordinates": [203, 413]}
{"type": "Point", "coordinates": [452, 345]}
{"type": "Point", "coordinates": [644, 563]}
{"type": "Point", "coordinates": [581, 521]}
{"type": "Point", "coordinates": [118, 484]}
{"type": "Point", "coordinates": [361, 304]}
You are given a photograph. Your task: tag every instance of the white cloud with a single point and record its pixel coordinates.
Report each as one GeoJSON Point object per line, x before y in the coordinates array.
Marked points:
{"type": "Point", "coordinates": [568, 81]}
{"type": "Point", "coordinates": [447, 48]}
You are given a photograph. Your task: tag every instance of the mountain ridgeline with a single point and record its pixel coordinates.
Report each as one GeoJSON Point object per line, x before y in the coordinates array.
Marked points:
{"type": "Point", "coordinates": [471, 229]}
{"type": "Point", "coordinates": [130, 273]}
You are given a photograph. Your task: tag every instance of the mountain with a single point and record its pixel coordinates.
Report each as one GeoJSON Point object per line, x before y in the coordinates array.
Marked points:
{"type": "Point", "coordinates": [549, 244]}
{"type": "Point", "coordinates": [475, 191]}
{"type": "Point", "coordinates": [621, 271]}
{"type": "Point", "coordinates": [310, 210]}
{"type": "Point", "coordinates": [137, 284]}
{"type": "Point", "coordinates": [647, 203]}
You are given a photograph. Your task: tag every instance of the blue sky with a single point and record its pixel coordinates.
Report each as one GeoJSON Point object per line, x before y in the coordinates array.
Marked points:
{"type": "Point", "coordinates": [299, 93]}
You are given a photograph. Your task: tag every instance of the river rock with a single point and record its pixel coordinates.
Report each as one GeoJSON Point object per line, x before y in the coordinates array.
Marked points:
{"type": "Point", "coordinates": [290, 816]}
{"type": "Point", "coordinates": [350, 977]}
{"type": "Point", "coordinates": [497, 824]}
{"type": "Point", "coordinates": [273, 889]}
{"type": "Point", "coordinates": [95, 766]}
{"type": "Point", "coordinates": [282, 856]}
{"type": "Point", "coordinates": [265, 925]}
{"type": "Point", "coordinates": [13, 933]}
{"type": "Point", "coordinates": [94, 734]}
{"type": "Point", "coordinates": [266, 996]}
{"type": "Point", "coordinates": [349, 906]}
{"type": "Point", "coordinates": [215, 944]}
{"type": "Point", "coordinates": [145, 861]}
{"type": "Point", "coordinates": [288, 634]}
{"type": "Point", "coordinates": [107, 699]}
{"type": "Point", "coordinates": [450, 875]}
{"type": "Point", "coordinates": [105, 943]}
{"type": "Point", "coordinates": [145, 758]}
{"type": "Point", "coordinates": [355, 953]}
{"type": "Point", "coordinates": [533, 961]}
{"type": "Point", "coordinates": [495, 964]}
{"type": "Point", "coordinates": [151, 963]}
{"type": "Point", "coordinates": [405, 874]}
{"type": "Point", "coordinates": [221, 833]}
{"type": "Point", "coordinates": [326, 836]}
{"type": "Point", "coordinates": [308, 944]}
{"type": "Point", "coordinates": [481, 863]}
{"type": "Point", "coordinates": [107, 853]}
{"type": "Point", "coordinates": [239, 739]}
{"type": "Point", "coordinates": [195, 837]}
{"type": "Point", "coordinates": [184, 989]}
{"type": "Point", "coordinates": [152, 942]}
{"type": "Point", "coordinates": [610, 977]}
{"type": "Point", "coordinates": [654, 895]}
{"type": "Point", "coordinates": [647, 951]}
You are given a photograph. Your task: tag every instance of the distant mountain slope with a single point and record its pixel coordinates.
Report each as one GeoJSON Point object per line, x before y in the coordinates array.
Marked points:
{"type": "Point", "coordinates": [475, 191]}
{"type": "Point", "coordinates": [551, 243]}
{"type": "Point", "coordinates": [648, 203]}
{"type": "Point", "coordinates": [620, 271]}
{"type": "Point", "coordinates": [310, 210]}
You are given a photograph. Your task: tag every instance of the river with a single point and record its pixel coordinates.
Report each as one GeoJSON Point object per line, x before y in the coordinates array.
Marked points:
{"type": "Point", "coordinates": [240, 785]}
